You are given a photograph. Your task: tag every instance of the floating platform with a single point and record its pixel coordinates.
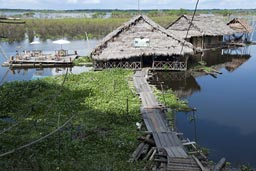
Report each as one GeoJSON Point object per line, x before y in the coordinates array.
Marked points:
{"type": "Point", "coordinates": [40, 62]}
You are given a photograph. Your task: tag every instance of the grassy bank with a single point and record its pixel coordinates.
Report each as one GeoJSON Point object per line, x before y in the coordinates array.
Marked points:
{"type": "Point", "coordinates": [72, 28]}
{"type": "Point", "coordinates": [96, 27]}
{"type": "Point", "coordinates": [101, 136]}
{"type": "Point", "coordinates": [75, 28]}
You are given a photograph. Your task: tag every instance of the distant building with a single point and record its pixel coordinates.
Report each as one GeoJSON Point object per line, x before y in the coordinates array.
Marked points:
{"type": "Point", "coordinates": [205, 32]}
{"type": "Point", "coordinates": [141, 43]}
{"type": "Point", "coordinates": [241, 27]}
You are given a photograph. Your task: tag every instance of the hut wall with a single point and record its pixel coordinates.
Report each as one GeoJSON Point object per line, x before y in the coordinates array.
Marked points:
{"type": "Point", "coordinates": [197, 42]}
{"type": "Point", "coordinates": [213, 42]}
{"type": "Point", "coordinates": [207, 42]}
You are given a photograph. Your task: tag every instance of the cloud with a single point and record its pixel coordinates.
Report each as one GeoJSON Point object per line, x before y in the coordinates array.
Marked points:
{"type": "Point", "coordinates": [126, 4]}
{"type": "Point", "coordinates": [91, 1]}
{"type": "Point", "coordinates": [72, 1]}
{"type": "Point", "coordinates": [83, 1]}
{"type": "Point", "coordinates": [227, 4]}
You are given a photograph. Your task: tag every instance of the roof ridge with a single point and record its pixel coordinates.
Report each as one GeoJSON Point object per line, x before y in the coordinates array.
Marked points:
{"type": "Point", "coordinates": [129, 23]}
{"type": "Point", "coordinates": [193, 24]}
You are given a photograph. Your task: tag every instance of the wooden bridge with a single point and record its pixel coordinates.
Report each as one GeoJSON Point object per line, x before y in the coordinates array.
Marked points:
{"type": "Point", "coordinates": [171, 153]}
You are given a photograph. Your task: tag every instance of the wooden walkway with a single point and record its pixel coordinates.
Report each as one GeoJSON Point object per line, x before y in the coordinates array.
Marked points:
{"type": "Point", "coordinates": [153, 115]}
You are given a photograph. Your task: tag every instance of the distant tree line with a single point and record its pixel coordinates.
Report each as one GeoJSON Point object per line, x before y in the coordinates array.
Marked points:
{"type": "Point", "coordinates": [96, 27]}
{"type": "Point", "coordinates": [12, 32]}
{"type": "Point", "coordinates": [71, 28]}
{"type": "Point", "coordinates": [75, 28]}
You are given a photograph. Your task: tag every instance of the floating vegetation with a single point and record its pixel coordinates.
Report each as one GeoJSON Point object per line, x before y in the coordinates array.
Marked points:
{"type": "Point", "coordinates": [97, 134]}
{"type": "Point", "coordinates": [83, 61]}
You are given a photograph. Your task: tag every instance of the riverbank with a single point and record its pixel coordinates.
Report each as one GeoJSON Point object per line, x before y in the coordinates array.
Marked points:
{"type": "Point", "coordinates": [102, 134]}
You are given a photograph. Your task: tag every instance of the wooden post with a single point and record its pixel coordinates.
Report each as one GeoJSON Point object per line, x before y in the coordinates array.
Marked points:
{"type": "Point", "coordinates": [114, 85]}
{"type": "Point", "coordinates": [141, 62]}
{"type": "Point", "coordinates": [149, 154]}
{"type": "Point", "coordinates": [127, 106]}
{"type": "Point", "coordinates": [202, 41]}
{"type": "Point", "coordinates": [194, 121]}
{"type": "Point", "coordinates": [136, 154]}
{"type": "Point", "coordinates": [220, 164]}
{"type": "Point", "coordinates": [186, 63]}
{"type": "Point", "coordinates": [163, 94]}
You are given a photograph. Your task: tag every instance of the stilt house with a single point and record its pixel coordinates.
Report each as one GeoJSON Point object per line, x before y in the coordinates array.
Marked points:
{"type": "Point", "coordinates": [141, 43]}
{"type": "Point", "coordinates": [241, 27]}
{"type": "Point", "coordinates": [205, 32]}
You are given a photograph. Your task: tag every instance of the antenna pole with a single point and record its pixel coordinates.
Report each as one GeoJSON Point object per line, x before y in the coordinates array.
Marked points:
{"type": "Point", "coordinates": [139, 6]}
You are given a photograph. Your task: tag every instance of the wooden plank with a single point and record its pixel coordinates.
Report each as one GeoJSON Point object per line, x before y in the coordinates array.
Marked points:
{"type": "Point", "coordinates": [182, 152]}
{"type": "Point", "coordinates": [200, 164]}
{"type": "Point", "coordinates": [220, 164]}
{"type": "Point", "coordinates": [136, 154]}
{"type": "Point", "coordinates": [172, 168]}
{"type": "Point", "coordinates": [154, 119]}
{"type": "Point", "coordinates": [186, 160]}
{"type": "Point", "coordinates": [157, 140]}
{"type": "Point", "coordinates": [170, 153]}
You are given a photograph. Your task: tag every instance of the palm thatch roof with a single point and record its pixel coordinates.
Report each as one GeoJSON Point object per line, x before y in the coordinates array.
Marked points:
{"type": "Point", "coordinates": [120, 44]}
{"type": "Point", "coordinates": [240, 25]}
{"type": "Point", "coordinates": [201, 26]}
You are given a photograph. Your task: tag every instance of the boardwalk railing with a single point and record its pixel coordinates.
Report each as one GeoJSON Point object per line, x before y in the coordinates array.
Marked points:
{"type": "Point", "coordinates": [121, 64]}
{"type": "Point", "coordinates": [169, 65]}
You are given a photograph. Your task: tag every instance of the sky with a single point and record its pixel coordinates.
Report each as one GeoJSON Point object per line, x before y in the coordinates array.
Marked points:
{"type": "Point", "coordinates": [126, 4]}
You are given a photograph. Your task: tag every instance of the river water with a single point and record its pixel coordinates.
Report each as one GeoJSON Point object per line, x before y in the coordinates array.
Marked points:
{"type": "Point", "coordinates": [225, 106]}
{"type": "Point", "coordinates": [82, 47]}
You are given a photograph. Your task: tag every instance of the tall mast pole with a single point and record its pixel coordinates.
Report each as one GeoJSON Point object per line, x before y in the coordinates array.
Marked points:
{"type": "Point", "coordinates": [139, 6]}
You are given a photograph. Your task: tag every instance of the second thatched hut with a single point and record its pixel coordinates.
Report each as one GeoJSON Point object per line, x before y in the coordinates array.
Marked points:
{"type": "Point", "coordinates": [141, 43]}
{"type": "Point", "coordinates": [205, 32]}
{"type": "Point", "coordinates": [242, 28]}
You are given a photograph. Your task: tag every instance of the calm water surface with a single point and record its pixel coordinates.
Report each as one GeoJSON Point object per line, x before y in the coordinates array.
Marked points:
{"type": "Point", "coordinates": [226, 106]}
{"type": "Point", "coordinates": [81, 46]}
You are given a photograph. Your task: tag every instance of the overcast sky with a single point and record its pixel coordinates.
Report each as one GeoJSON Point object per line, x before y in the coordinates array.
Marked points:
{"type": "Point", "coordinates": [127, 4]}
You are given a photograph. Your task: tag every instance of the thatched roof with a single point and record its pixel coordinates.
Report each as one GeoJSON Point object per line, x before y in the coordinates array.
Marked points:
{"type": "Point", "coordinates": [201, 26]}
{"type": "Point", "coordinates": [119, 44]}
{"type": "Point", "coordinates": [240, 25]}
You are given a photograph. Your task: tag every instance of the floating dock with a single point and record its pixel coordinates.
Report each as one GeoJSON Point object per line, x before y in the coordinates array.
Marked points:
{"type": "Point", "coordinates": [38, 63]}
{"type": "Point", "coordinates": [37, 59]}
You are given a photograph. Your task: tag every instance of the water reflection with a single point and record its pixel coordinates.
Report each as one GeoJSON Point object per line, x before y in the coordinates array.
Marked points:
{"type": "Point", "coordinates": [82, 47]}
{"type": "Point", "coordinates": [230, 59]}
{"type": "Point", "coordinates": [225, 116]}
{"type": "Point", "coordinates": [38, 73]}
{"type": "Point", "coordinates": [221, 140]}
{"type": "Point", "coordinates": [182, 83]}
{"type": "Point", "coordinates": [226, 107]}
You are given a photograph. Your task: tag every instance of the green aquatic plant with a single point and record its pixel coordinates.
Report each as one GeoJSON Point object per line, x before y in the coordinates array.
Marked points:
{"type": "Point", "coordinates": [83, 60]}
{"type": "Point", "coordinates": [101, 134]}
{"type": "Point", "coordinates": [169, 99]}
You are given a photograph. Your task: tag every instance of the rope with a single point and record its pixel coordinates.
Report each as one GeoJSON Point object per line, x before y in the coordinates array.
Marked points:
{"type": "Point", "coordinates": [7, 129]}
{"type": "Point", "coordinates": [49, 106]}
{"type": "Point", "coordinates": [3, 53]}
{"type": "Point", "coordinates": [38, 140]}
{"type": "Point", "coordinates": [5, 75]}
{"type": "Point", "coordinates": [190, 24]}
